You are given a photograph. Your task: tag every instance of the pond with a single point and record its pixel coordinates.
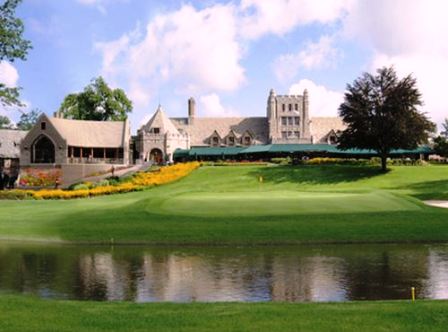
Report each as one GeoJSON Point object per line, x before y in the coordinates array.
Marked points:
{"type": "Point", "coordinates": [292, 274]}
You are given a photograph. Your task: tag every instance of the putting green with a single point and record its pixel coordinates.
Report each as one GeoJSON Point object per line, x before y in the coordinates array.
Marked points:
{"type": "Point", "coordinates": [279, 203]}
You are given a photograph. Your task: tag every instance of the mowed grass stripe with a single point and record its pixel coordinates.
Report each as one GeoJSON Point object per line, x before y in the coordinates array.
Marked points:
{"type": "Point", "coordinates": [228, 205]}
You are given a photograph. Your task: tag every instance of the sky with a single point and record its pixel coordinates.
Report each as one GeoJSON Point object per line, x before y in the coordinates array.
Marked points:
{"type": "Point", "coordinates": [227, 54]}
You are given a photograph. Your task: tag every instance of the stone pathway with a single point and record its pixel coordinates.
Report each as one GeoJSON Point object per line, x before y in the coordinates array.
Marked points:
{"type": "Point", "coordinates": [440, 204]}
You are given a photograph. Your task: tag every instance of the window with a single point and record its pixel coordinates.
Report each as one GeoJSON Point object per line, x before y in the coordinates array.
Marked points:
{"type": "Point", "coordinates": [284, 135]}
{"type": "Point", "coordinates": [296, 107]}
{"type": "Point", "coordinates": [247, 140]}
{"type": "Point", "coordinates": [296, 120]}
{"type": "Point", "coordinates": [296, 134]}
{"type": "Point", "coordinates": [284, 119]}
{"type": "Point", "coordinates": [289, 133]}
{"type": "Point", "coordinates": [283, 107]}
{"type": "Point", "coordinates": [154, 130]}
{"type": "Point", "coordinates": [289, 120]}
{"type": "Point", "coordinates": [231, 140]}
{"type": "Point", "coordinates": [215, 141]}
{"type": "Point", "coordinates": [290, 107]}
{"type": "Point", "coordinates": [43, 125]}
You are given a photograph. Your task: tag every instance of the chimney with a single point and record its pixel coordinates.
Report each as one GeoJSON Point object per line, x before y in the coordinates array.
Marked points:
{"type": "Point", "coordinates": [191, 110]}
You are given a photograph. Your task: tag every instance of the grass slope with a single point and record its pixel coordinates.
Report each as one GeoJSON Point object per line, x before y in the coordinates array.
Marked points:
{"type": "Point", "coordinates": [228, 205]}
{"type": "Point", "coordinates": [64, 316]}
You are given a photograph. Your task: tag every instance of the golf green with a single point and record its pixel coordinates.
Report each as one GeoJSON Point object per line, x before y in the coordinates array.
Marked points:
{"type": "Point", "coordinates": [281, 203]}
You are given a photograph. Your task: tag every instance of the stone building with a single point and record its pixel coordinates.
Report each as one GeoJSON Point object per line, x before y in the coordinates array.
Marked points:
{"type": "Point", "coordinates": [9, 156]}
{"type": "Point", "coordinates": [78, 147]}
{"type": "Point", "coordinates": [287, 121]}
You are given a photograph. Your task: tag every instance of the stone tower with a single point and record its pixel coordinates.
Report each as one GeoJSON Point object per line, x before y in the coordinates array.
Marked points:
{"type": "Point", "coordinates": [288, 117]}
{"type": "Point", "coordinates": [272, 114]}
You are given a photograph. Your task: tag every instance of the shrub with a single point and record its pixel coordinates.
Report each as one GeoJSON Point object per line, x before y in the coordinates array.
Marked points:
{"type": "Point", "coordinates": [282, 161]}
{"type": "Point", "coordinates": [33, 177]}
{"type": "Point", "coordinates": [15, 194]}
{"type": "Point", "coordinates": [139, 181]}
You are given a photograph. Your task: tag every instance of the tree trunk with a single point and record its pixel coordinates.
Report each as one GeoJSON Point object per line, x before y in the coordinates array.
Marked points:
{"type": "Point", "coordinates": [384, 162]}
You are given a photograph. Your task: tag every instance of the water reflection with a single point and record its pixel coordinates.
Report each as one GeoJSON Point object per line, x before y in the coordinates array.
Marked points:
{"type": "Point", "coordinates": [318, 273]}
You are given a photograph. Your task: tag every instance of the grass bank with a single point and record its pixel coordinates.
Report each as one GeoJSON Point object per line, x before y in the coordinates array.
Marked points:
{"type": "Point", "coordinates": [62, 316]}
{"type": "Point", "coordinates": [229, 205]}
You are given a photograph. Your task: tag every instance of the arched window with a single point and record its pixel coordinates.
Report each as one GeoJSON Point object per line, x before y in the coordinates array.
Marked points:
{"type": "Point", "coordinates": [43, 151]}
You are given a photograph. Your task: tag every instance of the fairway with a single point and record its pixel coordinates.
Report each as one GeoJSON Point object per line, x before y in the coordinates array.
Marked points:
{"type": "Point", "coordinates": [229, 206]}
{"type": "Point", "coordinates": [274, 203]}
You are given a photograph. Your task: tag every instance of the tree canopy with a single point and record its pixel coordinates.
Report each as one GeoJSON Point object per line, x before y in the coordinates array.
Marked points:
{"type": "Point", "coordinates": [381, 113]}
{"type": "Point", "coordinates": [97, 102]}
{"type": "Point", "coordinates": [444, 131]}
{"type": "Point", "coordinates": [28, 120]}
{"type": "Point", "coordinates": [5, 122]}
{"type": "Point", "coordinates": [12, 46]}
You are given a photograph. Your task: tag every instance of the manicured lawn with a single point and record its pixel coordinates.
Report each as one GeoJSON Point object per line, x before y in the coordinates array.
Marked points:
{"type": "Point", "coordinates": [42, 315]}
{"type": "Point", "coordinates": [228, 205]}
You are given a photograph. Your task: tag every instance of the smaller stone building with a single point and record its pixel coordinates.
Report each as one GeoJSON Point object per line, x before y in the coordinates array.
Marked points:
{"type": "Point", "coordinates": [78, 147]}
{"type": "Point", "coordinates": [9, 156]}
{"type": "Point", "coordinates": [159, 138]}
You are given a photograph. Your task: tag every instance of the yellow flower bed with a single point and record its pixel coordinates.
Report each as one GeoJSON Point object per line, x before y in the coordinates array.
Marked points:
{"type": "Point", "coordinates": [138, 182]}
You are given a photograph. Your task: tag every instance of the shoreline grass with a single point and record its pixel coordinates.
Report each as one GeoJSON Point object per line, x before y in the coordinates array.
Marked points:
{"type": "Point", "coordinates": [229, 206]}
{"type": "Point", "coordinates": [60, 315]}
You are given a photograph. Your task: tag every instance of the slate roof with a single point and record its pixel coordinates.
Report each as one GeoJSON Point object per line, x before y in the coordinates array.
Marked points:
{"type": "Point", "coordinates": [98, 134]}
{"type": "Point", "coordinates": [320, 127]}
{"type": "Point", "coordinates": [201, 129]}
{"type": "Point", "coordinates": [10, 143]}
{"type": "Point", "coordinates": [162, 121]}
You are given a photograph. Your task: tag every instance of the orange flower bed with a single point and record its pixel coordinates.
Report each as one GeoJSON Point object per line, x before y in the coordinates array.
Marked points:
{"type": "Point", "coordinates": [139, 181]}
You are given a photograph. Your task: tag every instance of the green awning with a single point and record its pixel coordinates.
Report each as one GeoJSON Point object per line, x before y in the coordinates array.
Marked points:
{"type": "Point", "coordinates": [286, 148]}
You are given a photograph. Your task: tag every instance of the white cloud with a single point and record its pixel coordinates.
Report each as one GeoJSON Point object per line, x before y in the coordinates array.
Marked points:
{"type": "Point", "coordinates": [210, 105]}
{"type": "Point", "coordinates": [100, 5]}
{"type": "Point", "coordinates": [196, 50]}
{"type": "Point", "coordinates": [323, 102]}
{"type": "Point", "coordinates": [319, 55]}
{"type": "Point", "coordinates": [8, 74]}
{"type": "Point", "coordinates": [411, 35]}
{"type": "Point", "coordinates": [281, 16]}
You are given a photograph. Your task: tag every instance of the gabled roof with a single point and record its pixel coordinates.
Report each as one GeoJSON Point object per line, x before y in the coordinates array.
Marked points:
{"type": "Point", "coordinates": [162, 121]}
{"type": "Point", "coordinates": [10, 143]}
{"type": "Point", "coordinates": [200, 129]}
{"type": "Point", "coordinates": [98, 134]}
{"type": "Point", "coordinates": [321, 126]}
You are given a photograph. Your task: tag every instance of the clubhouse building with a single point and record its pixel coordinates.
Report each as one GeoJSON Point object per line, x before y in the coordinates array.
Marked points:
{"type": "Point", "coordinates": [287, 122]}
{"type": "Point", "coordinates": [81, 148]}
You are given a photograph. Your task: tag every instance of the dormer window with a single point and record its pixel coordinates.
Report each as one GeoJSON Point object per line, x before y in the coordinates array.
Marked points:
{"type": "Point", "coordinates": [43, 125]}
{"type": "Point", "coordinates": [247, 140]}
{"type": "Point", "coordinates": [231, 141]}
{"type": "Point", "coordinates": [215, 141]}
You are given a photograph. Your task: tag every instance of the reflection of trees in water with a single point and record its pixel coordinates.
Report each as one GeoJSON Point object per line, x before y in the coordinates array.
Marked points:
{"type": "Point", "coordinates": [386, 274]}
{"type": "Point", "coordinates": [161, 275]}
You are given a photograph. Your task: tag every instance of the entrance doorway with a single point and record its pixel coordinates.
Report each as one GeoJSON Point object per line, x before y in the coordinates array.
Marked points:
{"type": "Point", "coordinates": [156, 155]}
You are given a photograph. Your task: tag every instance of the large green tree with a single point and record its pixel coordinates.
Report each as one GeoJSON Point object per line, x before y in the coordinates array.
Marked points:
{"type": "Point", "coordinates": [382, 114]}
{"type": "Point", "coordinates": [12, 46]}
{"type": "Point", "coordinates": [444, 131]}
{"type": "Point", "coordinates": [28, 120]}
{"type": "Point", "coordinates": [5, 122]}
{"type": "Point", "coordinates": [97, 102]}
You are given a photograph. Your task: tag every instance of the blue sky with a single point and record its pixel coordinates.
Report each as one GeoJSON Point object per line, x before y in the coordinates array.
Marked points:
{"type": "Point", "coordinates": [227, 54]}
